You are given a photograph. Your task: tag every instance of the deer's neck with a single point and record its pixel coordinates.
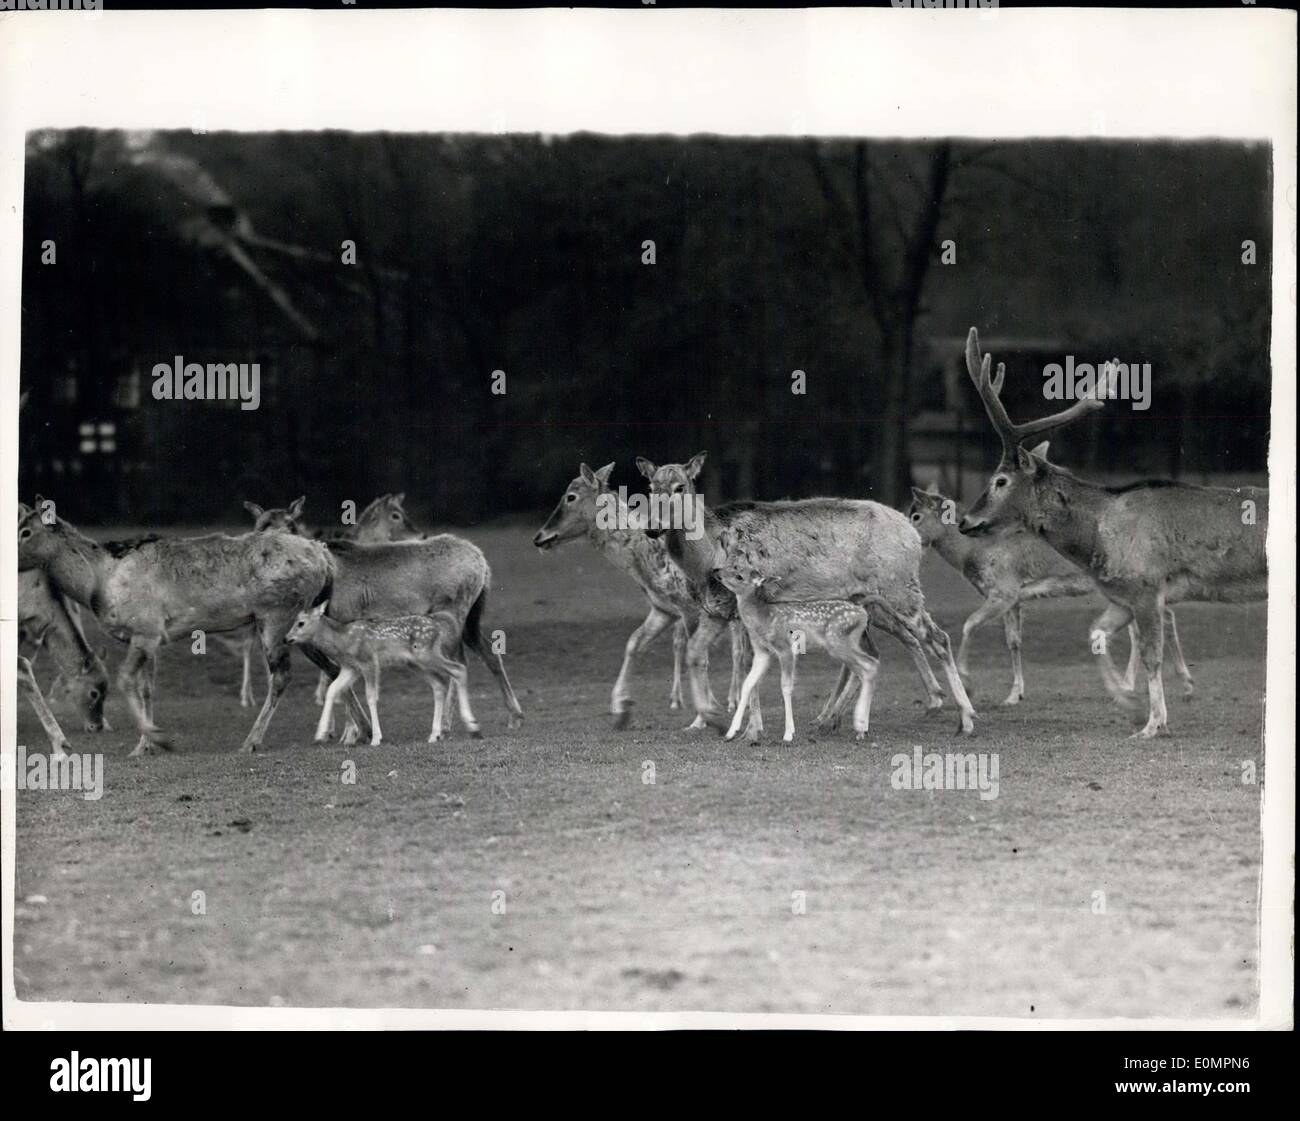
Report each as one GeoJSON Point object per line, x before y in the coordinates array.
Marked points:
{"type": "Point", "coordinates": [954, 546]}
{"type": "Point", "coordinates": [1071, 527]}
{"type": "Point", "coordinates": [695, 555]}
{"type": "Point", "coordinates": [78, 569]}
{"type": "Point", "coordinates": [65, 642]}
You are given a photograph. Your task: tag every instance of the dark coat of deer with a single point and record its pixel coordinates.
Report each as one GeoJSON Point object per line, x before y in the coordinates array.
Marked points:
{"type": "Point", "coordinates": [1147, 544]}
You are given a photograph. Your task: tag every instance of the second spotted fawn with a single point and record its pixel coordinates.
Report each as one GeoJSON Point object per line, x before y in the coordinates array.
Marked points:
{"type": "Point", "coordinates": [429, 643]}
{"type": "Point", "coordinates": [783, 630]}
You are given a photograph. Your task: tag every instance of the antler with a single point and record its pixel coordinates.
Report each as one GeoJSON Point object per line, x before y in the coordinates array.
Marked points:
{"type": "Point", "coordinates": [989, 387]}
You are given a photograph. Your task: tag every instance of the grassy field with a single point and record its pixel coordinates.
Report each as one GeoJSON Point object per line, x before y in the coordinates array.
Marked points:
{"type": "Point", "coordinates": [676, 895]}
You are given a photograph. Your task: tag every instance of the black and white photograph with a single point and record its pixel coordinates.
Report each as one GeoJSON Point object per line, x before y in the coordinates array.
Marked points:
{"type": "Point", "coordinates": [648, 518]}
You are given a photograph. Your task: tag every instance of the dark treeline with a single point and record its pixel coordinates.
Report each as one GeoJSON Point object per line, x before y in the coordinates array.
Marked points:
{"type": "Point", "coordinates": [527, 254]}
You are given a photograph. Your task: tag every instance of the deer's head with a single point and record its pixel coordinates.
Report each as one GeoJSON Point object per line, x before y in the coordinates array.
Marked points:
{"type": "Point", "coordinates": [308, 624]}
{"type": "Point", "coordinates": [385, 520]}
{"type": "Point", "coordinates": [41, 535]}
{"type": "Point", "coordinates": [931, 513]}
{"type": "Point", "coordinates": [1023, 478]}
{"type": "Point", "coordinates": [88, 690]}
{"type": "Point", "coordinates": [1031, 494]}
{"type": "Point", "coordinates": [287, 519]}
{"type": "Point", "coordinates": [575, 514]}
{"type": "Point", "coordinates": [672, 480]}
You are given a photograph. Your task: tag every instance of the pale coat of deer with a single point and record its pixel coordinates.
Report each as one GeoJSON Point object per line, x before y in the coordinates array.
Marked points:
{"type": "Point", "coordinates": [46, 620]}
{"type": "Point", "coordinates": [384, 519]}
{"type": "Point", "coordinates": [1147, 544]}
{"type": "Point", "coordinates": [647, 562]}
{"type": "Point", "coordinates": [782, 629]}
{"type": "Point", "coordinates": [429, 643]}
{"type": "Point", "coordinates": [149, 592]}
{"type": "Point", "coordinates": [817, 548]}
{"type": "Point", "coordinates": [1009, 568]}
{"type": "Point", "coordinates": [440, 572]}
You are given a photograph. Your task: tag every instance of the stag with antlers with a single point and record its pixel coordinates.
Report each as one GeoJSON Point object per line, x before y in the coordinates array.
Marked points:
{"type": "Point", "coordinates": [1147, 545]}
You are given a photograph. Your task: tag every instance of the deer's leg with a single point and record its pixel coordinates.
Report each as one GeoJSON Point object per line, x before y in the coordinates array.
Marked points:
{"type": "Point", "coordinates": [371, 674]}
{"type": "Point", "coordinates": [935, 640]}
{"type": "Point", "coordinates": [1180, 663]}
{"type": "Point", "coordinates": [737, 629]}
{"type": "Point", "coordinates": [1129, 681]}
{"type": "Point", "coordinates": [325, 725]}
{"type": "Point", "coordinates": [757, 668]}
{"type": "Point", "coordinates": [1011, 623]}
{"type": "Point", "coordinates": [497, 667]}
{"type": "Point", "coordinates": [439, 687]}
{"type": "Point", "coordinates": [908, 635]}
{"type": "Point", "coordinates": [322, 683]}
{"type": "Point", "coordinates": [359, 721]}
{"type": "Point", "coordinates": [246, 698]}
{"type": "Point", "coordinates": [697, 661]}
{"type": "Point", "coordinates": [620, 701]}
{"type": "Point", "coordinates": [828, 719]}
{"type": "Point", "coordinates": [27, 682]}
{"type": "Point", "coordinates": [270, 633]}
{"type": "Point", "coordinates": [134, 681]}
{"type": "Point", "coordinates": [681, 634]}
{"type": "Point", "coordinates": [457, 672]}
{"type": "Point", "coordinates": [1103, 628]}
{"type": "Point", "coordinates": [986, 612]}
{"type": "Point", "coordinates": [1151, 638]}
{"type": "Point", "coordinates": [866, 664]}
{"type": "Point", "coordinates": [787, 659]}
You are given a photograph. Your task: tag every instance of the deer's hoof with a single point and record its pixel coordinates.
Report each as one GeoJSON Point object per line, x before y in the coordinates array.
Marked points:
{"type": "Point", "coordinates": [1013, 699]}
{"type": "Point", "coordinates": [60, 750]}
{"type": "Point", "coordinates": [934, 710]}
{"type": "Point", "coordinates": [787, 738]}
{"type": "Point", "coordinates": [623, 718]}
{"type": "Point", "coordinates": [516, 720]}
{"type": "Point", "coordinates": [475, 733]}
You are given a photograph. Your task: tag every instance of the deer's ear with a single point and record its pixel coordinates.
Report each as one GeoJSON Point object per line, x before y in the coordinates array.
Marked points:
{"type": "Point", "coordinates": [696, 465]}
{"type": "Point", "coordinates": [320, 609]}
{"type": "Point", "coordinates": [1040, 450]}
{"type": "Point", "coordinates": [921, 496]}
{"type": "Point", "coordinates": [295, 507]}
{"type": "Point", "coordinates": [588, 475]}
{"type": "Point", "coordinates": [399, 498]}
{"type": "Point", "coordinates": [23, 510]}
{"type": "Point", "coordinates": [602, 476]}
{"type": "Point", "coordinates": [1028, 464]}
{"type": "Point", "coordinates": [645, 467]}
{"type": "Point", "coordinates": [254, 509]}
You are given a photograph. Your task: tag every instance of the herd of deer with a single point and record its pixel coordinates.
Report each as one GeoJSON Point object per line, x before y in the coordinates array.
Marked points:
{"type": "Point", "coordinates": [778, 576]}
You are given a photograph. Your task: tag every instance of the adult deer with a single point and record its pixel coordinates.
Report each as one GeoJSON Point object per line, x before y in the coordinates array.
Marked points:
{"type": "Point", "coordinates": [647, 562]}
{"type": "Point", "coordinates": [1010, 568]}
{"type": "Point", "coordinates": [441, 572]}
{"type": "Point", "coordinates": [384, 519]}
{"type": "Point", "coordinates": [148, 592]}
{"type": "Point", "coordinates": [1147, 544]}
{"type": "Point", "coordinates": [814, 548]}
